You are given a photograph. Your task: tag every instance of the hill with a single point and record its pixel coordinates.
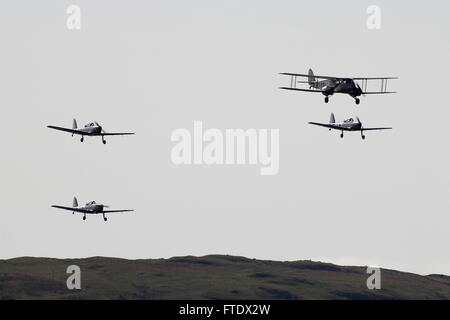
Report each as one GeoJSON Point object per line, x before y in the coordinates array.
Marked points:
{"type": "Point", "coordinates": [208, 277]}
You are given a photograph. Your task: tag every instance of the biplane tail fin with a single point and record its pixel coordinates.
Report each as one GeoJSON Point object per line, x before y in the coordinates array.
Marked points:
{"type": "Point", "coordinates": [332, 119]}
{"type": "Point", "coordinates": [311, 79]}
{"type": "Point", "coordinates": [75, 202]}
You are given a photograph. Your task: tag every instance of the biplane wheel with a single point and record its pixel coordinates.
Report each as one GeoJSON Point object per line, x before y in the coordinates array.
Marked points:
{"type": "Point", "coordinates": [357, 101]}
{"type": "Point", "coordinates": [342, 135]}
{"type": "Point", "coordinates": [84, 218]}
{"type": "Point", "coordinates": [82, 139]}
{"type": "Point", "coordinates": [327, 99]}
{"type": "Point", "coordinates": [104, 141]}
{"type": "Point", "coordinates": [106, 219]}
{"type": "Point", "coordinates": [363, 137]}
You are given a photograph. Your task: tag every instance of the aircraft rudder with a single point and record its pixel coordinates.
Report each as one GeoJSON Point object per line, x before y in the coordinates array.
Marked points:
{"type": "Point", "coordinates": [332, 119]}
{"type": "Point", "coordinates": [311, 78]}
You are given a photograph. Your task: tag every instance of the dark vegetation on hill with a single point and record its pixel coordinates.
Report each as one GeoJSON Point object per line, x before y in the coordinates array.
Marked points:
{"type": "Point", "coordinates": [209, 277]}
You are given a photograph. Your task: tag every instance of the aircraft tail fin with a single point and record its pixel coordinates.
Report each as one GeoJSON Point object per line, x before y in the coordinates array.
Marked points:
{"type": "Point", "coordinates": [332, 119]}
{"type": "Point", "coordinates": [75, 202]}
{"type": "Point", "coordinates": [311, 79]}
{"type": "Point", "coordinates": [74, 124]}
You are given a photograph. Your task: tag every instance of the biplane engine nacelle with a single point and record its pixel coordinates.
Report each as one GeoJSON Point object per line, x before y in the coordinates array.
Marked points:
{"type": "Point", "coordinates": [328, 91]}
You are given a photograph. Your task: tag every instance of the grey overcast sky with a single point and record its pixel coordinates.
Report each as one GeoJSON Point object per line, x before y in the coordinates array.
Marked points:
{"type": "Point", "coordinates": [156, 66]}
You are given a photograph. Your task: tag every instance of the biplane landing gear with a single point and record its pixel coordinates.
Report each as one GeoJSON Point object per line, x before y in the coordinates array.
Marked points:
{"type": "Point", "coordinates": [342, 134]}
{"type": "Point", "coordinates": [362, 135]}
{"type": "Point", "coordinates": [327, 99]}
{"type": "Point", "coordinates": [104, 218]}
{"type": "Point", "coordinates": [82, 139]}
{"type": "Point", "coordinates": [84, 217]}
{"type": "Point", "coordinates": [357, 101]}
{"type": "Point", "coordinates": [103, 140]}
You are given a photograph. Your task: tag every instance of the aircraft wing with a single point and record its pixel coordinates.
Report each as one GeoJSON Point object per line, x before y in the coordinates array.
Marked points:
{"type": "Point", "coordinates": [329, 125]}
{"type": "Point", "coordinates": [72, 209]}
{"type": "Point", "coordinates": [307, 75]}
{"type": "Point", "coordinates": [297, 89]}
{"type": "Point", "coordinates": [117, 133]}
{"type": "Point", "coordinates": [379, 78]}
{"type": "Point", "coordinates": [75, 131]}
{"type": "Point", "coordinates": [116, 211]}
{"type": "Point", "coordinates": [378, 92]}
{"type": "Point", "coordinates": [367, 129]}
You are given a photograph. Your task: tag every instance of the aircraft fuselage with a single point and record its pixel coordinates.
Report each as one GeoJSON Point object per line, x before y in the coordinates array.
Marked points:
{"type": "Point", "coordinates": [347, 86]}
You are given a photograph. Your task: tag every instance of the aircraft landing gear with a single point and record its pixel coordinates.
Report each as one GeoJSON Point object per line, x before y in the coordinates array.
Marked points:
{"type": "Point", "coordinates": [103, 140]}
{"type": "Point", "coordinates": [362, 135]}
{"type": "Point", "coordinates": [327, 99]}
{"type": "Point", "coordinates": [84, 217]}
{"type": "Point", "coordinates": [104, 218]}
{"type": "Point", "coordinates": [357, 101]}
{"type": "Point", "coordinates": [342, 134]}
{"type": "Point", "coordinates": [82, 139]}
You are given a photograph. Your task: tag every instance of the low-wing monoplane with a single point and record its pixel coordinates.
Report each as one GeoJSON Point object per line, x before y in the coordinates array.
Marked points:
{"type": "Point", "coordinates": [90, 129]}
{"type": "Point", "coordinates": [347, 125]}
{"type": "Point", "coordinates": [90, 208]}
{"type": "Point", "coordinates": [331, 85]}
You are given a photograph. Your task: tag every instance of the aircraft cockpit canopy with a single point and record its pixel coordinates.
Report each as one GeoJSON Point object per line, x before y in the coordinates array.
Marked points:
{"type": "Point", "coordinates": [348, 120]}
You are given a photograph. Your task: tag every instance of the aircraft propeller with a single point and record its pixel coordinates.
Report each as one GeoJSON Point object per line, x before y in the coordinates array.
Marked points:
{"type": "Point", "coordinates": [101, 128]}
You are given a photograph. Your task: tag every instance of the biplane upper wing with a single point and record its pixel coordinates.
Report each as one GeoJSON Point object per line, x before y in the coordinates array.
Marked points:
{"type": "Point", "coordinates": [379, 78]}
{"type": "Point", "coordinates": [308, 75]}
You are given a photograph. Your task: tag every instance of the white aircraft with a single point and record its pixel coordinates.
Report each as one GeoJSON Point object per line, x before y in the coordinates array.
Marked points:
{"type": "Point", "coordinates": [347, 125]}
{"type": "Point", "coordinates": [91, 129]}
{"type": "Point", "coordinates": [90, 208]}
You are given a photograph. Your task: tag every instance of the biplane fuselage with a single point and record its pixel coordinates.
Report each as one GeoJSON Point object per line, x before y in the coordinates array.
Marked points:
{"type": "Point", "coordinates": [330, 87]}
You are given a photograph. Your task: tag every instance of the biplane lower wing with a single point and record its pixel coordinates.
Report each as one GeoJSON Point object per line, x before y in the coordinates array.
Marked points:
{"type": "Point", "coordinates": [298, 89]}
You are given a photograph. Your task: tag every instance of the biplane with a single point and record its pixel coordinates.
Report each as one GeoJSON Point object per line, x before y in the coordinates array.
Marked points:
{"type": "Point", "coordinates": [331, 85]}
{"type": "Point", "coordinates": [348, 125]}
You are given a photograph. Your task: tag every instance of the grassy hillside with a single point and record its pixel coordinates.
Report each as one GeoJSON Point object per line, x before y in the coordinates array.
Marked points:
{"type": "Point", "coordinates": [209, 277]}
